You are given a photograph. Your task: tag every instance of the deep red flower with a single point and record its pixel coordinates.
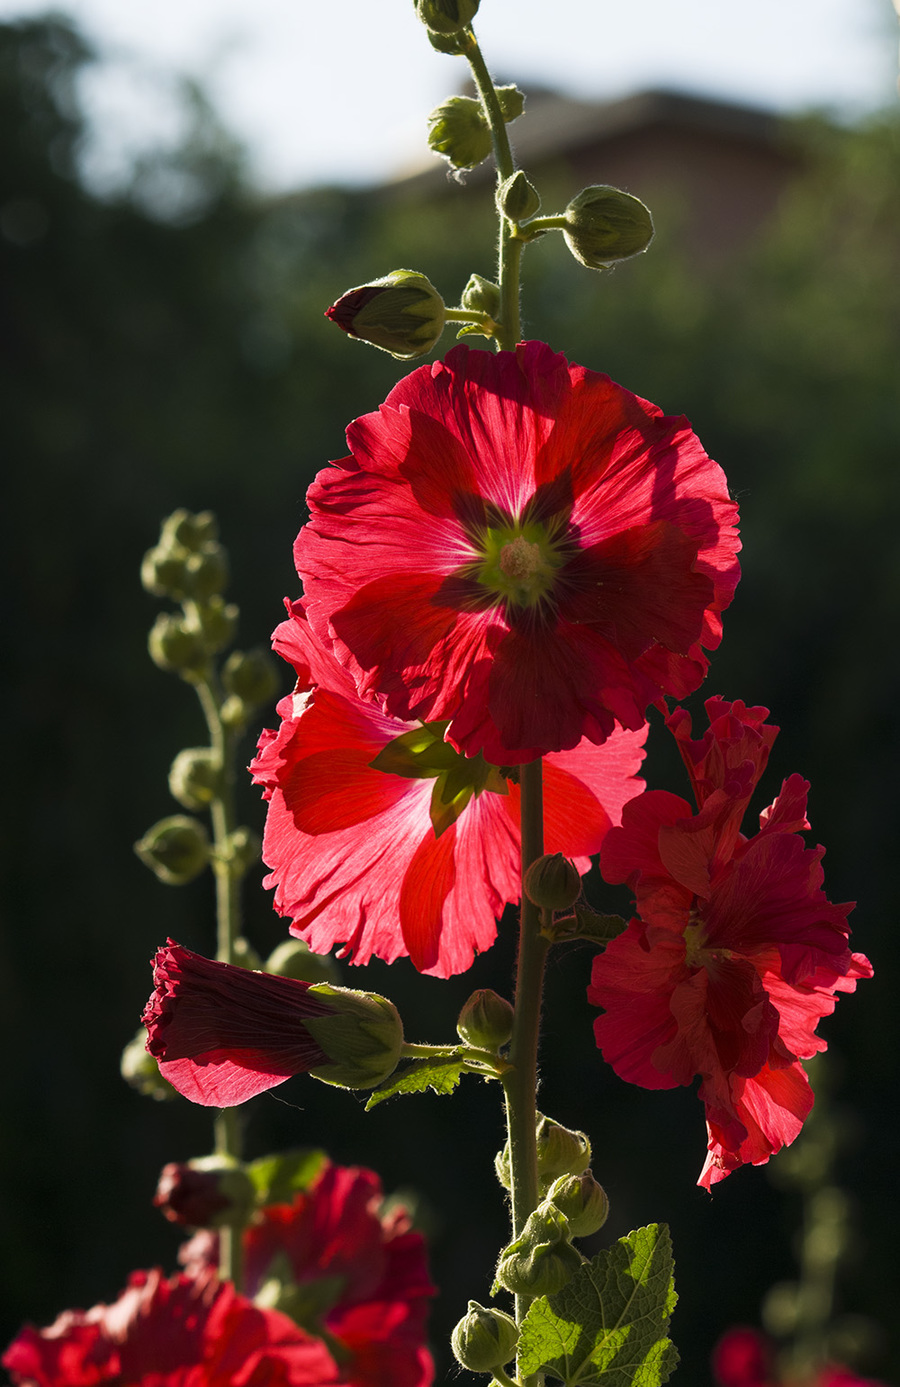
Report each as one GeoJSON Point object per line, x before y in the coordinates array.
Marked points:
{"type": "Point", "coordinates": [383, 838]}
{"type": "Point", "coordinates": [222, 1034]}
{"type": "Point", "coordinates": [744, 1357]}
{"type": "Point", "coordinates": [182, 1332]}
{"type": "Point", "coordinates": [522, 548]}
{"type": "Point", "coordinates": [360, 1275]}
{"type": "Point", "coordinates": [736, 954]}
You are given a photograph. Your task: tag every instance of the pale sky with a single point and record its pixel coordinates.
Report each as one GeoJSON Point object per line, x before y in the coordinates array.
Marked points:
{"type": "Point", "coordinates": [338, 90]}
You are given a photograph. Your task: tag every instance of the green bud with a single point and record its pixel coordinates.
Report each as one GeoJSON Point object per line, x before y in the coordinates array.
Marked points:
{"type": "Point", "coordinates": [541, 1260]}
{"type": "Point", "coordinates": [512, 103]}
{"type": "Point", "coordinates": [486, 1020]}
{"type": "Point", "coordinates": [482, 296]}
{"type": "Point", "coordinates": [295, 959]}
{"type": "Point", "coordinates": [459, 132]}
{"type": "Point", "coordinates": [164, 572]}
{"type": "Point", "coordinates": [235, 713]}
{"type": "Point", "coordinates": [217, 622]}
{"type": "Point", "coordinates": [604, 225]}
{"type": "Point", "coordinates": [242, 849]}
{"type": "Point", "coordinates": [362, 1037]}
{"type": "Point", "coordinates": [207, 572]}
{"type": "Point", "coordinates": [244, 955]}
{"type": "Point", "coordinates": [176, 849]}
{"type": "Point", "coordinates": [195, 778]}
{"type": "Point", "coordinates": [517, 198]}
{"type": "Point", "coordinates": [140, 1070]}
{"type": "Point", "coordinates": [454, 45]}
{"type": "Point", "coordinates": [184, 530]}
{"type": "Point", "coordinates": [552, 882]}
{"type": "Point", "coordinates": [252, 675]}
{"type": "Point", "coordinates": [583, 1202]}
{"type": "Point", "coordinates": [484, 1339]}
{"type": "Point", "coordinates": [781, 1309]}
{"type": "Point", "coordinates": [560, 1151]}
{"type": "Point", "coordinates": [176, 646]}
{"type": "Point", "coordinates": [446, 16]}
{"type": "Point", "coordinates": [402, 314]}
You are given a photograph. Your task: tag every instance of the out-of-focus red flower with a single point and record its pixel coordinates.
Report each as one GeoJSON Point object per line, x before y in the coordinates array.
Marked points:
{"type": "Point", "coordinates": [383, 838]}
{"type": "Point", "coordinates": [737, 953]}
{"type": "Point", "coordinates": [360, 1276]}
{"type": "Point", "coordinates": [181, 1332]}
{"type": "Point", "coordinates": [744, 1357]}
{"type": "Point", "coordinates": [521, 548]}
{"type": "Point", "coordinates": [221, 1034]}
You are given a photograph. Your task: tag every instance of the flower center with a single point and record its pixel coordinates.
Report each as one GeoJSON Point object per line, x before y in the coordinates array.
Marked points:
{"type": "Point", "coordinates": [697, 954]}
{"type": "Point", "coordinates": [519, 562]}
{"type": "Point", "coordinates": [422, 754]}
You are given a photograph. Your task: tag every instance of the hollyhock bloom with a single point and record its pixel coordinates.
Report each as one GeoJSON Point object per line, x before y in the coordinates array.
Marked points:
{"type": "Point", "coordinates": [522, 548]}
{"type": "Point", "coordinates": [383, 838]}
{"type": "Point", "coordinates": [745, 1358]}
{"type": "Point", "coordinates": [736, 954]}
{"type": "Point", "coordinates": [181, 1332]}
{"type": "Point", "coordinates": [359, 1276]}
{"type": "Point", "coordinates": [221, 1034]}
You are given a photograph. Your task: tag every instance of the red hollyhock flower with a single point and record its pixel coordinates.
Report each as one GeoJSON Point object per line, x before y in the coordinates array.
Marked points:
{"type": "Point", "coordinates": [222, 1034]}
{"type": "Point", "coordinates": [745, 1358]}
{"type": "Point", "coordinates": [383, 838]}
{"type": "Point", "coordinates": [737, 953]}
{"type": "Point", "coordinates": [178, 1333]}
{"type": "Point", "coordinates": [522, 548]}
{"type": "Point", "coordinates": [358, 1276]}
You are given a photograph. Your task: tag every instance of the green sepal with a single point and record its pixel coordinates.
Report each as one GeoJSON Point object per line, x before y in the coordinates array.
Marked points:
{"type": "Point", "coordinates": [608, 1327]}
{"type": "Point", "coordinates": [422, 753]}
{"type": "Point", "coordinates": [475, 330]}
{"type": "Point", "coordinates": [512, 103]}
{"type": "Point", "coordinates": [585, 923]}
{"type": "Point", "coordinates": [277, 1178]}
{"type": "Point", "coordinates": [440, 1072]}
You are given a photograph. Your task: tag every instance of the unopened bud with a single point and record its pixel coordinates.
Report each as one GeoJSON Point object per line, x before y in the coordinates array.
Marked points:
{"type": "Point", "coordinates": [458, 131]}
{"type": "Point", "coordinates": [207, 572]}
{"type": "Point", "coordinates": [217, 622]}
{"type": "Point", "coordinates": [604, 225]}
{"type": "Point", "coordinates": [242, 849]}
{"type": "Point", "coordinates": [446, 16]}
{"type": "Point", "coordinates": [402, 314]}
{"type": "Point", "coordinates": [484, 1339]}
{"type": "Point", "coordinates": [244, 954]}
{"type": "Point", "coordinates": [482, 296]}
{"type": "Point", "coordinates": [164, 572]}
{"type": "Point", "coordinates": [454, 45]}
{"type": "Point", "coordinates": [362, 1037]}
{"type": "Point", "coordinates": [209, 1192]}
{"type": "Point", "coordinates": [295, 959]}
{"type": "Point", "coordinates": [195, 778]}
{"type": "Point", "coordinates": [560, 1151]}
{"type": "Point", "coordinates": [517, 198]}
{"type": "Point", "coordinates": [189, 531]}
{"type": "Point", "coordinates": [583, 1202]}
{"type": "Point", "coordinates": [176, 646]}
{"type": "Point", "coordinates": [141, 1072]}
{"type": "Point", "coordinates": [176, 849]}
{"type": "Point", "coordinates": [541, 1260]}
{"type": "Point", "coordinates": [552, 882]}
{"type": "Point", "coordinates": [250, 674]}
{"type": "Point", "coordinates": [486, 1020]}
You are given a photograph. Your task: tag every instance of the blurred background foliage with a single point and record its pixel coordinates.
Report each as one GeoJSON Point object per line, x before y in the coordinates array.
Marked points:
{"type": "Point", "coordinates": [166, 348]}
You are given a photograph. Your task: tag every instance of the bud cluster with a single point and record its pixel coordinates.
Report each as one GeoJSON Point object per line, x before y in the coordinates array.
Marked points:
{"type": "Point", "coordinates": [459, 131]}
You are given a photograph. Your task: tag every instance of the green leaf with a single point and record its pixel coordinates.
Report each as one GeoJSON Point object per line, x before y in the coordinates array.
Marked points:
{"type": "Point", "coordinates": [585, 923]}
{"type": "Point", "coordinates": [608, 1326]}
{"type": "Point", "coordinates": [442, 1073]}
{"type": "Point", "coordinates": [277, 1178]}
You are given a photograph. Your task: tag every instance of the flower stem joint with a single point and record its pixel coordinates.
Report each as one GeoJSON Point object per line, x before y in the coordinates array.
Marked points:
{"type": "Point", "coordinates": [484, 1339]}
{"type": "Point", "coordinates": [402, 313]}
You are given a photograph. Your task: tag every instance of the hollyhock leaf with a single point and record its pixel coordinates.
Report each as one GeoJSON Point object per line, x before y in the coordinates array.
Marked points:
{"type": "Point", "coordinates": [277, 1178]}
{"type": "Point", "coordinates": [609, 1325]}
{"type": "Point", "coordinates": [442, 1075]}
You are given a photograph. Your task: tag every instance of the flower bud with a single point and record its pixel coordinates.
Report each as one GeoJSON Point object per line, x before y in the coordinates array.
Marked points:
{"type": "Point", "coordinates": [512, 103]}
{"type": "Point", "coordinates": [164, 572]}
{"type": "Point", "coordinates": [541, 1260]}
{"type": "Point", "coordinates": [217, 623]}
{"type": "Point", "coordinates": [484, 1339]}
{"type": "Point", "coordinates": [604, 225]}
{"type": "Point", "coordinates": [560, 1151]}
{"type": "Point", "coordinates": [481, 296]}
{"type": "Point", "coordinates": [176, 646]}
{"type": "Point", "coordinates": [402, 314]}
{"type": "Point", "coordinates": [251, 675]}
{"type": "Point", "coordinates": [244, 954]}
{"type": "Point", "coordinates": [209, 1192]}
{"type": "Point", "coordinates": [295, 959]}
{"type": "Point", "coordinates": [583, 1202]}
{"type": "Point", "coordinates": [195, 777]}
{"type": "Point", "coordinates": [176, 849]}
{"type": "Point", "coordinates": [446, 16]}
{"type": "Point", "coordinates": [458, 131]}
{"type": "Point", "coordinates": [454, 45]}
{"type": "Point", "coordinates": [486, 1020]}
{"type": "Point", "coordinates": [207, 572]}
{"type": "Point", "coordinates": [517, 198]}
{"type": "Point", "coordinates": [362, 1036]}
{"type": "Point", "coordinates": [182, 529]}
{"type": "Point", "coordinates": [243, 848]}
{"type": "Point", "coordinates": [552, 882]}
{"type": "Point", "coordinates": [141, 1072]}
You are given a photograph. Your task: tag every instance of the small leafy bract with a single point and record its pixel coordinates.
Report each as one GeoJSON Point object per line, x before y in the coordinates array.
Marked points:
{"type": "Point", "coordinates": [442, 1074]}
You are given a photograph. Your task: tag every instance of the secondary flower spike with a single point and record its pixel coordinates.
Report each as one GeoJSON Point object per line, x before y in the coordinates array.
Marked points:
{"type": "Point", "coordinates": [221, 1034]}
{"type": "Point", "coordinates": [520, 548]}
{"type": "Point", "coordinates": [381, 837]}
{"type": "Point", "coordinates": [736, 953]}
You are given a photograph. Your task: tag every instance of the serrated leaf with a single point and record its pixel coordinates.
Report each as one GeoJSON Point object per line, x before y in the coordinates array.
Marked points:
{"type": "Point", "coordinates": [442, 1074]}
{"type": "Point", "coordinates": [609, 1326]}
{"type": "Point", "coordinates": [278, 1178]}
